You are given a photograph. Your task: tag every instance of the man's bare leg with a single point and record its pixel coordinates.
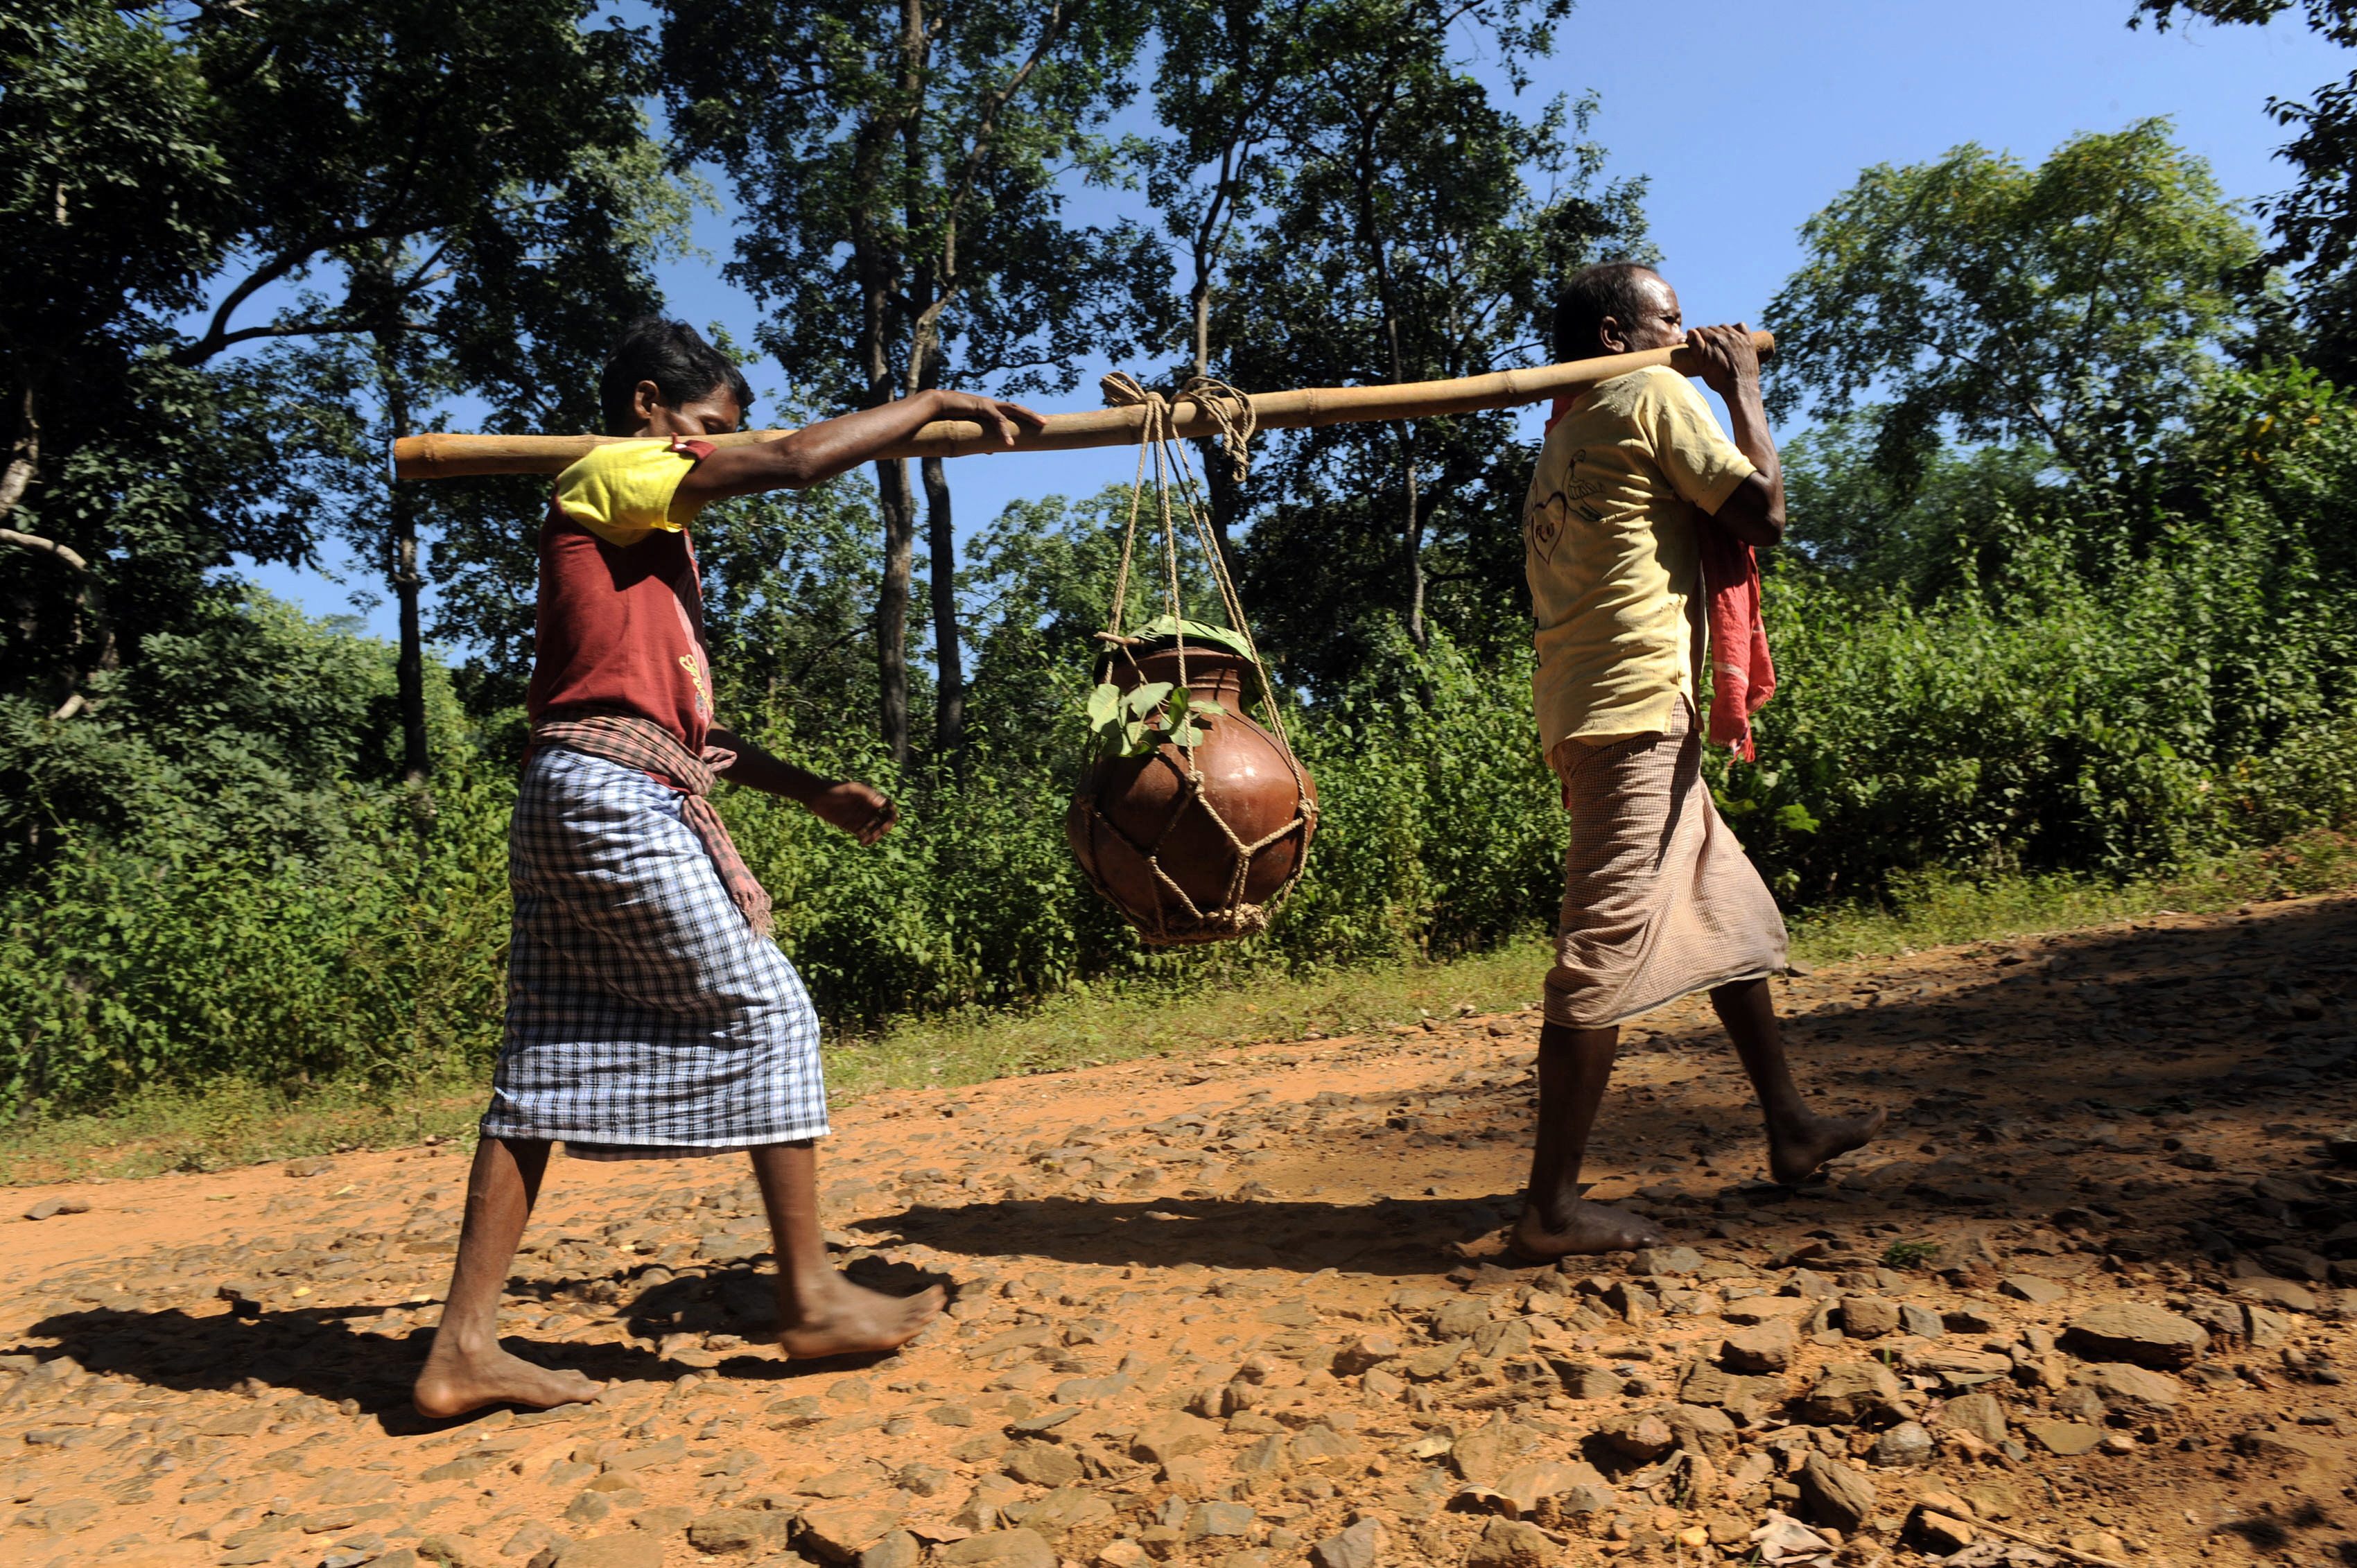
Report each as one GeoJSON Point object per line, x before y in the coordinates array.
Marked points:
{"type": "Point", "coordinates": [1798, 1140]}
{"type": "Point", "coordinates": [820, 1313]}
{"type": "Point", "coordinates": [1574, 1065]}
{"type": "Point", "coordinates": [467, 1369]}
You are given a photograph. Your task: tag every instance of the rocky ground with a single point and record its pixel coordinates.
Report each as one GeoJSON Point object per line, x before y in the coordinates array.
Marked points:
{"type": "Point", "coordinates": [2090, 1301]}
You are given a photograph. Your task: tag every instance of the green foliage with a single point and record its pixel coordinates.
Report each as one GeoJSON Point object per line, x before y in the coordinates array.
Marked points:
{"type": "Point", "coordinates": [1407, 225]}
{"type": "Point", "coordinates": [1439, 824]}
{"type": "Point", "coordinates": [1124, 724]}
{"type": "Point", "coordinates": [202, 958]}
{"type": "Point", "coordinates": [1041, 579]}
{"type": "Point", "coordinates": [901, 182]}
{"type": "Point", "coordinates": [2062, 727]}
{"type": "Point", "coordinates": [2112, 695]}
{"type": "Point", "coordinates": [2317, 219]}
{"type": "Point", "coordinates": [250, 243]}
{"type": "Point", "coordinates": [228, 882]}
{"type": "Point", "coordinates": [1916, 541]}
{"type": "Point", "coordinates": [100, 112]}
{"type": "Point", "coordinates": [1908, 1254]}
{"type": "Point", "coordinates": [227, 922]}
{"type": "Point", "coordinates": [1132, 723]}
{"type": "Point", "coordinates": [901, 168]}
{"type": "Point", "coordinates": [2098, 580]}
{"type": "Point", "coordinates": [253, 719]}
{"type": "Point", "coordinates": [2070, 305]}
{"type": "Point", "coordinates": [2071, 601]}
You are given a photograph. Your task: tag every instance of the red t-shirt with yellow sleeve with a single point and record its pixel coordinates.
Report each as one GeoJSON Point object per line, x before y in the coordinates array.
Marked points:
{"type": "Point", "coordinates": [619, 623]}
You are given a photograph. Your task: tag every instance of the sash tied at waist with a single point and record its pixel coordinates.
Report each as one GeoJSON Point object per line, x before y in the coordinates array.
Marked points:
{"type": "Point", "coordinates": [635, 741]}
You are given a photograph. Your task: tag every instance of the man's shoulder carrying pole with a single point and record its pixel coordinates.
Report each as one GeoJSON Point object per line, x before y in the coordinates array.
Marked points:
{"type": "Point", "coordinates": [449, 456]}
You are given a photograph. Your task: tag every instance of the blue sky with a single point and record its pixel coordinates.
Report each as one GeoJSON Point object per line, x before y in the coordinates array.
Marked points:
{"type": "Point", "coordinates": [1746, 119]}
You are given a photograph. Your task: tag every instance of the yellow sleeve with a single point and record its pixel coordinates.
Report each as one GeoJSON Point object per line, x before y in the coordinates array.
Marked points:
{"type": "Point", "coordinates": [1701, 463]}
{"type": "Point", "coordinates": [623, 492]}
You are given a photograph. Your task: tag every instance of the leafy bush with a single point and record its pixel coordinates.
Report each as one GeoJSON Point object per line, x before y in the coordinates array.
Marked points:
{"type": "Point", "coordinates": [199, 959]}
{"type": "Point", "coordinates": [216, 877]}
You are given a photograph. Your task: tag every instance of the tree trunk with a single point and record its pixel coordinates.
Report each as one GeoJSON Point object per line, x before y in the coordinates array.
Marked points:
{"type": "Point", "coordinates": [875, 260]}
{"type": "Point", "coordinates": [899, 509]}
{"type": "Point", "coordinates": [1411, 533]}
{"type": "Point", "coordinates": [900, 502]}
{"type": "Point", "coordinates": [92, 629]}
{"type": "Point", "coordinates": [24, 456]}
{"type": "Point", "coordinates": [949, 656]}
{"type": "Point", "coordinates": [1379, 261]}
{"type": "Point", "coordinates": [1226, 497]}
{"type": "Point", "coordinates": [401, 570]}
{"type": "Point", "coordinates": [409, 669]}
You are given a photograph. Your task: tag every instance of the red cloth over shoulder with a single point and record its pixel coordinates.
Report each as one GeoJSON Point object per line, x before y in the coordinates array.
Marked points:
{"type": "Point", "coordinates": [1742, 676]}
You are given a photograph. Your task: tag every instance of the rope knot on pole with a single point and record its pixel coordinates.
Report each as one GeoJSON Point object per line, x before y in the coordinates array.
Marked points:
{"type": "Point", "coordinates": [1122, 390]}
{"type": "Point", "coordinates": [1233, 418]}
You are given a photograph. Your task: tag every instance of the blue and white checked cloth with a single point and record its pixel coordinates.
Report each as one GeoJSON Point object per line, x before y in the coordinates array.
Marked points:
{"type": "Point", "coordinates": [645, 1017]}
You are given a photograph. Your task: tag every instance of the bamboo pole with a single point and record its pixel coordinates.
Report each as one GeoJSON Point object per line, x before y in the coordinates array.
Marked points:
{"type": "Point", "coordinates": [447, 457]}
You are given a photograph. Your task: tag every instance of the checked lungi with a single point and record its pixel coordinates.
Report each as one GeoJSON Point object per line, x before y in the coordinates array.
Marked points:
{"type": "Point", "coordinates": [646, 1017]}
{"type": "Point", "coordinates": [1659, 899]}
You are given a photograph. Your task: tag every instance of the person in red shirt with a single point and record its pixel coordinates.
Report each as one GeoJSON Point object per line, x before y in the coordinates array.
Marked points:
{"type": "Point", "coordinates": [650, 1013]}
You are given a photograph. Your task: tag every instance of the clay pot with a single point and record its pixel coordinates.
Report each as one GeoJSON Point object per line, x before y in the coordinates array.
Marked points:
{"type": "Point", "coordinates": [1150, 839]}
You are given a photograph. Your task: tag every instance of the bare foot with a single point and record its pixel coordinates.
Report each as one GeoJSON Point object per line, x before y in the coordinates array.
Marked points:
{"type": "Point", "coordinates": [1794, 1152]}
{"type": "Point", "coordinates": [1586, 1228]}
{"type": "Point", "coordinates": [454, 1382]}
{"type": "Point", "coordinates": [844, 1319]}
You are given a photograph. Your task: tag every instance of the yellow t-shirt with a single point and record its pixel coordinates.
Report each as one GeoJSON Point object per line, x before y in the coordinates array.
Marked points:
{"type": "Point", "coordinates": [624, 491]}
{"type": "Point", "coordinates": [1610, 542]}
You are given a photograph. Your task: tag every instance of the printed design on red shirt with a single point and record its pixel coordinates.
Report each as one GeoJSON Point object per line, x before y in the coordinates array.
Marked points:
{"type": "Point", "coordinates": [692, 660]}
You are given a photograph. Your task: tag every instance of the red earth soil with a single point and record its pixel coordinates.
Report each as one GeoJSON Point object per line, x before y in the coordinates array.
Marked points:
{"type": "Point", "coordinates": [2089, 1300]}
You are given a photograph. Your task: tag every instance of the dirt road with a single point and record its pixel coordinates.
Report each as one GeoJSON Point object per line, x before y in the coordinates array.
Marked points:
{"type": "Point", "coordinates": [1246, 1309]}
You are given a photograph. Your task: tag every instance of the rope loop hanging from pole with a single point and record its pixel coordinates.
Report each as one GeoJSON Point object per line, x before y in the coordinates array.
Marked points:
{"type": "Point", "coordinates": [1147, 827]}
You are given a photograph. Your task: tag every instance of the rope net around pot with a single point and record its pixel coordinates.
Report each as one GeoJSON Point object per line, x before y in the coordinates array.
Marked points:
{"type": "Point", "coordinates": [1148, 828]}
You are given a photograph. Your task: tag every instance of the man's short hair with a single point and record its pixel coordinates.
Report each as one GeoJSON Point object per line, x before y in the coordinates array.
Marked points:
{"type": "Point", "coordinates": [674, 356]}
{"type": "Point", "coordinates": [1607, 288]}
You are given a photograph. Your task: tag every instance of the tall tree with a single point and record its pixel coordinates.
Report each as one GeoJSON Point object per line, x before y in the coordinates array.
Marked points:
{"type": "Point", "coordinates": [369, 203]}
{"type": "Point", "coordinates": [101, 113]}
{"type": "Point", "coordinates": [901, 166]}
{"type": "Point", "coordinates": [2071, 304]}
{"type": "Point", "coordinates": [1409, 227]}
{"type": "Point", "coordinates": [790, 594]}
{"type": "Point", "coordinates": [464, 196]}
{"type": "Point", "coordinates": [2316, 220]}
{"type": "Point", "coordinates": [1227, 75]}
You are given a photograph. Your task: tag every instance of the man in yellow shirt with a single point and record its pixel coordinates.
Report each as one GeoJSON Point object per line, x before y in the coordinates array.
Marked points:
{"type": "Point", "coordinates": [1659, 900]}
